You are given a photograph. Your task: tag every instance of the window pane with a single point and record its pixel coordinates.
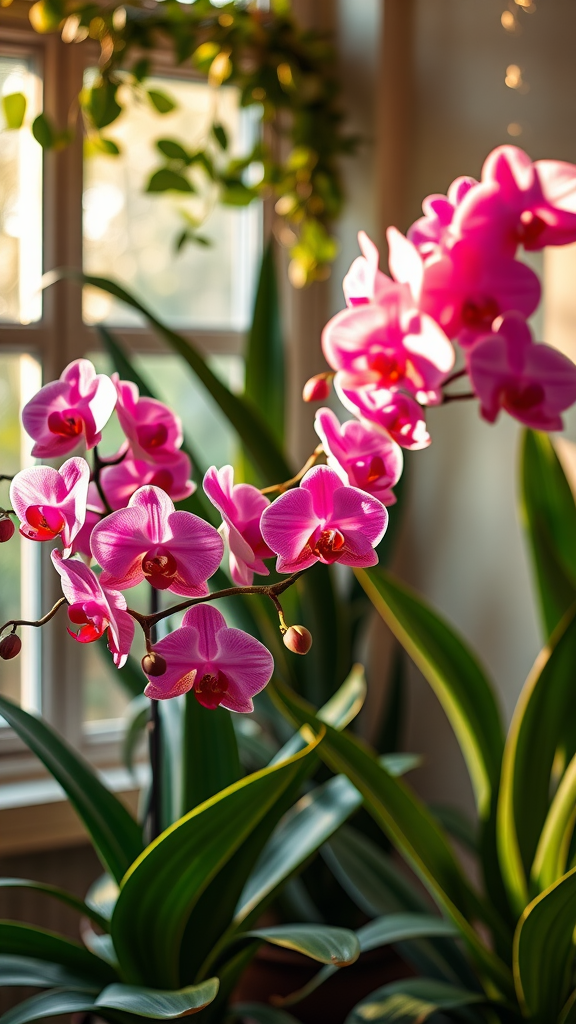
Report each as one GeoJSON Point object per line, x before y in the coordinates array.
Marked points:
{"type": "Point", "coordinates": [20, 200]}
{"type": "Point", "coordinates": [19, 558]}
{"type": "Point", "coordinates": [130, 235]}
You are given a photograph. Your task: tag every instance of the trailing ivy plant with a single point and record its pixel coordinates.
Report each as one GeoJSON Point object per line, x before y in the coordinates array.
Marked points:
{"type": "Point", "coordinates": [287, 74]}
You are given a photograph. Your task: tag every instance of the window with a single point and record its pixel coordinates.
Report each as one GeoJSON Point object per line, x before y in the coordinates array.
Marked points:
{"type": "Point", "coordinates": [94, 210]}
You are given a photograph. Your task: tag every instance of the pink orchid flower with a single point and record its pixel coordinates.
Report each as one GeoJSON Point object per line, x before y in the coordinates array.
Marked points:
{"type": "Point", "coordinates": [433, 229]}
{"type": "Point", "coordinates": [534, 383]}
{"type": "Point", "coordinates": [396, 413]}
{"type": "Point", "coordinates": [241, 507]}
{"type": "Point", "coordinates": [51, 503]}
{"type": "Point", "coordinates": [121, 481]}
{"type": "Point", "coordinates": [95, 511]}
{"type": "Point", "coordinates": [323, 520]}
{"type": "Point", "coordinates": [362, 455]}
{"type": "Point", "coordinates": [94, 608]}
{"type": "Point", "coordinates": [222, 665]}
{"type": "Point", "coordinates": [466, 288]}
{"type": "Point", "coordinates": [149, 540]}
{"type": "Point", "coordinates": [519, 203]}
{"type": "Point", "coordinates": [69, 411]}
{"type": "Point", "coordinates": [154, 432]}
{"type": "Point", "coordinates": [364, 282]}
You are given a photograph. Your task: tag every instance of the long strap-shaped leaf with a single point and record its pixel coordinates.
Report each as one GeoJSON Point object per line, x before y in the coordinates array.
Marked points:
{"type": "Point", "coordinates": [115, 834]}
{"type": "Point", "coordinates": [265, 349]}
{"type": "Point", "coordinates": [410, 827]}
{"type": "Point", "coordinates": [27, 970]}
{"type": "Point", "coordinates": [551, 857]}
{"type": "Point", "coordinates": [412, 1001]}
{"type": "Point", "coordinates": [164, 884]}
{"type": "Point", "coordinates": [547, 700]}
{"type": "Point", "coordinates": [59, 894]}
{"type": "Point", "coordinates": [251, 427]}
{"type": "Point", "coordinates": [544, 950]}
{"type": "Point", "coordinates": [18, 939]}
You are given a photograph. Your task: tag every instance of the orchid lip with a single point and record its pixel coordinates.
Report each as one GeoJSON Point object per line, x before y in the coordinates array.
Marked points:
{"type": "Point", "coordinates": [152, 435]}
{"type": "Point", "coordinates": [46, 522]}
{"type": "Point", "coordinates": [329, 545]}
{"type": "Point", "coordinates": [65, 423]}
{"type": "Point", "coordinates": [211, 689]}
{"type": "Point", "coordinates": [159, 567]}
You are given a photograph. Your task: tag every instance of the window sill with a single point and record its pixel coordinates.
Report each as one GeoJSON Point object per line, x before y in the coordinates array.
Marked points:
{"type": "Point", "coordinates": [36, 815]}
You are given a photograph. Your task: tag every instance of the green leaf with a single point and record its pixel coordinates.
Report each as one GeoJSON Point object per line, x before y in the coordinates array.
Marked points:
{"type": "Point", "coordinates": [546, 702]}
{"type": "Point", "coordinates": [159, 1004]}
{"type": "Point", "coordinates": [251, 428]}
{"type": "Point", "coordinates": [328, 945]}
{"type": "Point", "coordinates": [25, 940]}
{"type": "Point", "coordinates": [172, 149]}
{"type": "Point", "coordinates": [553, 848]}
{"type": "Point", "coordinates": [102, 896]}
{"type": "Point", "coordinates": [453, 672]}
{"type": "Point", "coordinates": [382, 932]}
{"type": "Point", "coordinates": [549, 516]}
{"type": "Point", "coordinates": [221, 136]}
{"type": "Point", "coordinates": [410, 827]}
{"type": "Point", "coordinates": [166, 180]}
{"type": "Point", "coordinates": [14, 108]}
{"type": "Point", "coordinates": [265, 351]}
{"type": "Point", "coordinates": [211, 760]}
{"type": "Point", "coordinates": [412, 1001]}
{"type": "Point", "coordinates": [236, 194]}
{"type": "Point", "coordinates": [48, 1004]}
{"type": "Point", "coordinates": [568, 1014]}
{"type": "Point", "coordinates": [58, 894]}
{"type": "Point", "coordinates": [102, 104]}
{"type": "Point", "coordinates": [544, 950]}
{"type": "Point", "coordinates": [136, 718]}
{"type": "Point", "coordinates": [115, 834]}
{"type": "Point", "coordinates": [458, 825]}
{"type": "Point", "coordinates": [262, 1014]}
{"type": "Point", "coordinates": [25, 970]}
{"type": "Point", "coordinates": [162, 888]}
{"type": "Point", "coordinates": [43, 131]}
{"type": "Point", "coordinates": [160, 101]}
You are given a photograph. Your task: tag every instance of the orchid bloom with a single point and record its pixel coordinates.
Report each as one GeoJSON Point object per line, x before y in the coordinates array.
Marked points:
{"type": "Point", "coordinates": [154, 432]}
{"type": "Point", "coordinates": [222, 665]}
{"type": "Point", "coordinates": [69, 411]}
{"type": "Point", "coordinates": [241, 507]}
{"type": "Point", "coordinates": [519, 202]}
{"type": "Point", "coordinates": [149, 540]}
{"type": "Point", "coordinates": [95, 511]}
{"type": "Point", "coordinates": [94, 608]}
{"type": "Point", "coordinates": [51, 503]}
{"type": "Point", "coordinates": [121, 481]}
{"type": "Point", "coordinates": [466, 288]}
{"type": "Point", "coordinates": [433, 229]}
{"type": "Point", "coordinates": [396, 413]}
{"type": "Point", "coordinates": [534, 383]}
{"type": "Point", "coordinates": [364, 282]}
{"type": "Point", "coordinates": [323, 520]}
{"type": "Point", "coordinates": [362, 455]}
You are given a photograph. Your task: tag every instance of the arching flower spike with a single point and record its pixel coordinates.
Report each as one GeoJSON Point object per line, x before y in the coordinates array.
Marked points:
{"type": "Point", "coordinates": [174, 551]}
{"type": "Point", "coordinates": [154, 432]}
{"type": "Point", "coordinates": [70, 411]}
{"type": "Point", "coordinates": [51, 503]}
{"type": "Point", "coordinates": [363, 456]}
{"type": "Point", "coordinates": [241, 507]}
{"type": "Point", "coordinates": [534, 383]}
{"type": "Point", "coordinates": [323, 520]}
{"type": "Point", "coordinates": [94, 608]}
{"type": "Point", "coordinates": [222, 665]}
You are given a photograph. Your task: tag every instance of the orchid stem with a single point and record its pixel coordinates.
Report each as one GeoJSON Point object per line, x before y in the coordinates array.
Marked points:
{"type": "Point", "coordinates": [458, 398]}
{"type": "Point", "coordinates": [39, 622]}
{"type": "Point", "coordinates": [295, 479]}
{"type": "Point", "coordinates": [455, 376]}
{"type": "Point", "coordinates": [5, 476]}
{"type": "Point", "coordinates": [154, 820]}
{"type": "Point", "coordinates": [280, 610]}
{"type": "Point", "coordinates": [99, 465]}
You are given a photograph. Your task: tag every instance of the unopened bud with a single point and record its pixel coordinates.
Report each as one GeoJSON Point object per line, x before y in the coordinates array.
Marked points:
{"type": "Point", "coordinates": [154, 664]}
{"type": "Point", "coordinates": [298, 639]}
{"type": "Point", "coordinates": [10, 646]}
{"type": "Point", "coordinates": [317, 388]}
{"type": "Point", "coordinates": [6, 530]}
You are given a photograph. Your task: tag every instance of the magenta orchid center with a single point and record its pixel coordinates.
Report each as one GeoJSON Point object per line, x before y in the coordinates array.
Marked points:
{"type": "Point", "coordinates": [328, 546]}
{"type": "Point", "coordinates": [517, 397]}
{"type": "Point", "coordinates": [46, 522]}
{"type": "Point", "coordinates": [530, 228]}
{"type": "Point", "coordinates": [164, 479]}
{"type": "Point", "coordinates": [211, 689]}
{"type": "Point", "coordinates": [89, 629]}
{"type": "Point", "coordinates": [480, 312]}
{"type": "Point", "coordinates": [65, 423]}
{"type": "Point", "coordinates": [159, 567]}
{"type": "Point", "coordinates": [388, 366]}
{"type": "Point", "coordinates": [152, 435]}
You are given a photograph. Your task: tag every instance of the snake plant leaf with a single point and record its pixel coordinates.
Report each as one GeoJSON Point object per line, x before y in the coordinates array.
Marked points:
{"type": "Point", "coordinates": [248, 423]}
{"type": "Point", "coordinates": [25, 970]}
{"type": "Point", "coordinates": [544, 950]}
{"type": "Point", "coordinates": [265, 349]}
{"type": "Point", "coordinates": [136, 718]}
{"type": "Point", "coordinates": [262, 1014]}
{"type": "Point", "coordinates": [553, 847]}
{"type": "Point", "coordinates": [568, 1013]}
{"type": "Point", "coordinates": [548, 512]}
{"type": "Point", "coordinates": [59, 894]}
{"type": "Point", "coordinates": [49, 1004]}
{"type": "Point", "coordinates": [412, 1001]}
{"type": "Point", "coordinates": [320, 942]}
{"type": "Point", "coordinates": [547, 700]}
{"type": "Point", "coordinates": [102, 896]}
{"type": "Point", "coordinates": [115, 834]}
{"type": "Point", "coordinates": [167, 881]}
{"type": "Point", "coordinates": [101, 945]}
{"type": "Point", "coordinates": [158, 1004]}
{"type": "Point", "coordinates": [210, 752]}
{"type": "Point", "coordinates": [381, 932]}
{"type": "Point", "coordinates": [18, 939]}
{"type": "Point", "coordinates": [458, 825]}
{"type": "Point", "coordinates": [412, 830]}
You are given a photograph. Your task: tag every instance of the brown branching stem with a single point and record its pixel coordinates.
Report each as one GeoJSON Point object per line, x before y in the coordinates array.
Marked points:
{"type": "Point", "coordinates": [39, 622]}
{"type": "Point", "coordinates": [455, 376]}
{"type": "Point", "coordinates": [280, 488]}
{"type": "Point", "coordinates": [99, 465]}
{"type": "Point", "coordinates": [464, 397]}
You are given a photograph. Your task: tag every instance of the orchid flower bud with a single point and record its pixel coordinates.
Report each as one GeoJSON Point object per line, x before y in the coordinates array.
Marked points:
{"type": "Point", "coordinates": [317, 389]}
{"type": "Point", "coordinates": [6, 530]}
{"type": "Point", "coordinates": [10, 647]}
{"type": "Point", "coordinates": [298, 639]}
{"type": "Point", "coordinates": [153, 664]}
